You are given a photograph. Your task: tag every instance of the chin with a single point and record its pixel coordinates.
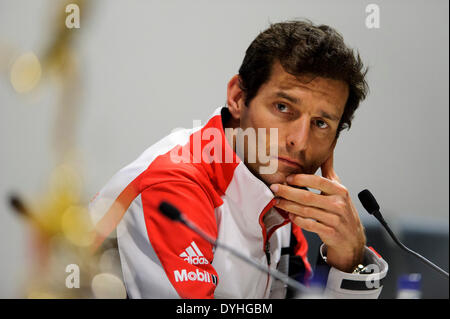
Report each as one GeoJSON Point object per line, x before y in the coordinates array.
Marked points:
{"type": "Point", "coordinates": [279, 177]}
{"type": "Point", "coordinates": [276, 178]}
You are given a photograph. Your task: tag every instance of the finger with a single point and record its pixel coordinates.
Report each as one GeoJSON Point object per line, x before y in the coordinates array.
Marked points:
{"type": "Point", "coordinates": [322, 230]}
{"type": "Point", "coordinates": [323, 184]}
{"type": "Point", "coordinates": [327, 169]}
{"type": "Point", "coordinates": [320, 215]}
{"type": "Point", "coordinates": [304, 197]}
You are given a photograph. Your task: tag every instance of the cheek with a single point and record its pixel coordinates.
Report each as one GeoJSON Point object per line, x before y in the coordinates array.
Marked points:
{"type": "Point", "coordinates": [316, 154]}
{"type": "Point", "coordinates": [258, 120]}
{"type": "Point", "coordinates": [258, 114]}
{"type": "Point", "coordinates": [262, 121]}
{"type": "Point", "coordinates": [317, 161]}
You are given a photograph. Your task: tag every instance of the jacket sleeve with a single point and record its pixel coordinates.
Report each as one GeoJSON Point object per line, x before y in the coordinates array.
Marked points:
{"type": "Point", "coordinates": [339, 284]}
{"type": "Point", "coordinates": [185, 256]}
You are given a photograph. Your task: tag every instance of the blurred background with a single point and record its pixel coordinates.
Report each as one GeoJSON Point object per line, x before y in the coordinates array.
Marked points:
{"type": "Point", "coordinates": [78, 104]}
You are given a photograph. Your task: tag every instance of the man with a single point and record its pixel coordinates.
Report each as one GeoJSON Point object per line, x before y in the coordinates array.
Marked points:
{"type": "Point", "coordinates": [297, 88]}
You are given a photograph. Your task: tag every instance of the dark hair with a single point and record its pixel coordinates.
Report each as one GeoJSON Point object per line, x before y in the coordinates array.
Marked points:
{"type": "Point", "coordinates": [303, 48]}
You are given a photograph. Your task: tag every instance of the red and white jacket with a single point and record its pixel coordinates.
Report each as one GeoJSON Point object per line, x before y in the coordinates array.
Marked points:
{"type": "Point", "coordinates": [164, 259]}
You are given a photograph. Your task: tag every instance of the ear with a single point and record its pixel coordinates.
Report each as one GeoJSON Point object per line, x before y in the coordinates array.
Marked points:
{"type": "Point", "coordinates": [235, 97]}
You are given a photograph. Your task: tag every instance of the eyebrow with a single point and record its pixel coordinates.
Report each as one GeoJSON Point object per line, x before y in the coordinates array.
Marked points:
{"type": "Point", "coordinates": [331, 117]}
{"type": "Point", "coordinates": [294, 100]}
{"type": "Point", "coordinates": [287, 97]}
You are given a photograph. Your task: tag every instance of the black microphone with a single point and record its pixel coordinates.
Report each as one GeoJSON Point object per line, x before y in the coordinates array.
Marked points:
{"type": "Point", "coordinates": [171, 211]}
{"type": "Point", "coordinates": [19, 206]}
{"type": "Point", "coordinates": [174, 214]}
{"type": "Point", "coordinates": [370, 204]}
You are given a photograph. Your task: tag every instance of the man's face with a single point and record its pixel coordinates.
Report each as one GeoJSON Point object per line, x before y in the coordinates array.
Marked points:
{"type": "Point", "coordinates": [306, 114]}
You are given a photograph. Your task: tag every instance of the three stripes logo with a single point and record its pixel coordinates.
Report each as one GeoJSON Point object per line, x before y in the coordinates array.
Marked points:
{"type": "Point", "coordinates": [193, 255]}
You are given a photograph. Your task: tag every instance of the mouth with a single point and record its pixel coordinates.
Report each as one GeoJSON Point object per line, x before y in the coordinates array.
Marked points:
{"type": "Point", "coordinates": [289, 162]}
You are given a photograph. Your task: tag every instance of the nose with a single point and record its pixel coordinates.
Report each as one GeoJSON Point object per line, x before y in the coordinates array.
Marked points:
{"type": "Point", "coordinates": [298, 135]}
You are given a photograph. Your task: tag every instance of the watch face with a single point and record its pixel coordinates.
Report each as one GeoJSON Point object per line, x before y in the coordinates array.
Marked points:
{"type": "Point", "coordinates": [359, 269]}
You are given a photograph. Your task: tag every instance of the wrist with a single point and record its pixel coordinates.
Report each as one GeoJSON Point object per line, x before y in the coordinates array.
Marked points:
{"type": "Point", "coordinates": [345, 261]}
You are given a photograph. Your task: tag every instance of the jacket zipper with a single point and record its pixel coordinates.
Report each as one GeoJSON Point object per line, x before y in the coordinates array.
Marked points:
{"type": "Point", "coordinates": [266, 237]}
{"type": "Point", "coordinates": [267, 251]}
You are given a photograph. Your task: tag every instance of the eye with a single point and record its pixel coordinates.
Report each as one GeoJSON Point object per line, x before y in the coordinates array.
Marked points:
{"type": "Point", "coordinates": [281, 107]}
{"type": "Point", "coordinates": [321, 124]}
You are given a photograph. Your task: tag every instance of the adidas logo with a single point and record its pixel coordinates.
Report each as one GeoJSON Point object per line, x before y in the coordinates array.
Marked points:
{"type": "Point", "coordinates": [193, 255]}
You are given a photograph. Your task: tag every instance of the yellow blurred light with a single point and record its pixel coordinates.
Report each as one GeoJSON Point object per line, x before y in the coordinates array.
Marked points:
{"type": "Point", "coordinates": [108, 286]}
{"type": "Point", "coordinates": [25, 72]}
{"type": "Point", "coordinates": [76, 226]}
{"type": "Point", "coordinates": [65, 181]}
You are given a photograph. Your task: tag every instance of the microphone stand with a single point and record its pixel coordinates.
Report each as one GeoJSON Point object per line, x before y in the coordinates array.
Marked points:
{"type": "Point", "coordinates": [370, 204]}
{"type": "Point", "coordinates": [174, 214]}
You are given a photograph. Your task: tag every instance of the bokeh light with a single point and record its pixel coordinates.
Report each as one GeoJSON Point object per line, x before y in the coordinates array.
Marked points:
{"type": "Point", "coordinates": [25, 72]}
{"type": "Point", "coordinates": [108, 286]}
{"type": "Point", "coordinates": [77, 227]}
